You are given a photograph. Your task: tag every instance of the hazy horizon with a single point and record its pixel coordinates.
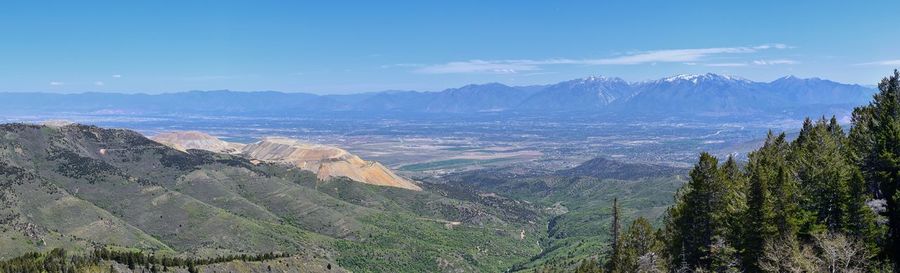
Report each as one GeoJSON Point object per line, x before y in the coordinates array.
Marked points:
{"type": "Point", "coordinates": [360, 92]}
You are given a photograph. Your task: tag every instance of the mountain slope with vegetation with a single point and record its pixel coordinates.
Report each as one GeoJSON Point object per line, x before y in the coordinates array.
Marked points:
{"type": "Point", "coordinates": [578, 202]}
{"type": "Point", "coordinates": [82, 187]}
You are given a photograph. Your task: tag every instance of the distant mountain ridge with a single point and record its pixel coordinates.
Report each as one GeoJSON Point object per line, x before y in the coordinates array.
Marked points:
{"type": "Point", "coordinates": [698, 94]}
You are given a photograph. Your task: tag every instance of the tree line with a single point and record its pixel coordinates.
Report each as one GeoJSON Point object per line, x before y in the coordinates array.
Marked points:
{"type": "Point", "coordinates": [59, 260]}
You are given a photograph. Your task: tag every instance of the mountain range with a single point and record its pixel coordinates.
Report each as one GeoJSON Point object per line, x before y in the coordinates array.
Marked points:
{"type": "Point", "coordinates": [704, 94]}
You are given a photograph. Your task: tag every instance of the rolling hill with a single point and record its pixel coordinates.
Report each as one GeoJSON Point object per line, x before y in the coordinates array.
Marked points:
{"type": "Point", "coordinates": [79, 187]}
{"type": "Point", "coordinates": [578, 201]}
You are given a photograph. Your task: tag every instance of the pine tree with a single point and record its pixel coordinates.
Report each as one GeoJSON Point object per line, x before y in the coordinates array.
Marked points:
{"type": "Point", "coordinates": [820, 157]}
{"type": "Point", "coordinates": [588, 266]}
{"type": "Point", "coordinates": [861, 220]}
{"type": "Point", "coordinates": [876, 140]}
{"type": "Point", "coordinates": [760, 216]}
{"type": "Point", "coordinates": [699, 216]}
{"type": "Point", "coordinates": [734, 203]}
{"type": "Point", "coordinates": [615, 249]}
{"type": "Point", "coordinates": [788, 214]}
{"type": "Point", "coordinates": [638, 242]}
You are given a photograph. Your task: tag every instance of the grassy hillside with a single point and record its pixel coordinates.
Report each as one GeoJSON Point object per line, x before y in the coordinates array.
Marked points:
{"type": "Point", "coordinates": [81, 186]}
{"type": "Point", "coordinates": [577, 208]}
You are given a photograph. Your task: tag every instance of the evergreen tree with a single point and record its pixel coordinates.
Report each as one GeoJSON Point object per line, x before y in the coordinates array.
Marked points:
{"type": "Point", "coordinates": [638, 243]}
{"type": "Point", "coordinates": [788, 215]}
{"type": "Point", "coordinates": [820, 157]}
{"type": "Point", "coordinates": [760, 217]}
{"type": "Point", "coordinates": [861, 220]}
{"type": "Point", "coordinates": [615, 250]}
{"type": "Point", "coordinates": [700, 216]}
{"type": "Point", "coordinates": [588, 266]}
{"type": "Point", "coordinates": [734, 208]}
{"type": "Point", "coordinates": [876, 140]}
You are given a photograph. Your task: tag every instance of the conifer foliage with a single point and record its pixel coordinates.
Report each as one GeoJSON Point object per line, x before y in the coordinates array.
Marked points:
{"type": "Point", "coordinates": [806, 205]}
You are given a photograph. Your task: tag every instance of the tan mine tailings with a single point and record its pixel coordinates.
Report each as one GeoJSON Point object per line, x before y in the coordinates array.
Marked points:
{"type": "Point", "coordinates": [186, 140]}
{"type": "Point", "coordinates": [325, 161]}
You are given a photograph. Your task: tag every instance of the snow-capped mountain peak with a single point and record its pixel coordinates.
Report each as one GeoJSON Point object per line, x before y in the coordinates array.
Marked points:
{"type": "Point", "coordinates": [697, 78]}
{"type": "Point", "coordinates": [592, 79]}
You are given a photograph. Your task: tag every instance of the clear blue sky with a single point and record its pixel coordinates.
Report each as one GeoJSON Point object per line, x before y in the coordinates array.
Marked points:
{"type": "Point", "coordinates": [346, 47]}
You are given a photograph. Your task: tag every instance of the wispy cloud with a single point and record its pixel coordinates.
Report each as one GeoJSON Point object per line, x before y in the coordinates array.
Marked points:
{"type": "Point", "coordinates": [99, 83]}
{"type": "Point", "coordinates": [116, 76]}
{"type": "Point", "coordinates": [401, 65]}
{"type": "Point", "coordinates": [482, 66]}
{"type": "Point", "coordinates": [219, 77]}
{"type": "Point", "coordinates": [57, 83]}
{"type": "Point", "coordinates": [673, 55]}
{"type": "Point", "coordinates": [774, 62]}
{"type": "Point", "coordinates": [689, 56]}
{"type": "Point", "coordinates": [884, 62]}
{"type": "Point", "coordinates": [776, 46]}
{"type": "Point", "coordinates": [726, 64]}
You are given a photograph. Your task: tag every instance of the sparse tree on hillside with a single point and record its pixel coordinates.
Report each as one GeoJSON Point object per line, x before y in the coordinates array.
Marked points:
{"type": "Point", "coordinates": [588, 266]}
{"type": "Point", "coordinates": [614, 263]}
{"type": "Point", "coordinates": [640, 248]}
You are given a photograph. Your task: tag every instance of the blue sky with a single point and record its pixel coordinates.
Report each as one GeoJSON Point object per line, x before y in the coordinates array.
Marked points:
{"type": "Point", "coordinates": [348, 47]}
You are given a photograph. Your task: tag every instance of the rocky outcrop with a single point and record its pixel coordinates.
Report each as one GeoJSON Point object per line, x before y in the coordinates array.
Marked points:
{"type": "Point", "coordinates": [325, 161]}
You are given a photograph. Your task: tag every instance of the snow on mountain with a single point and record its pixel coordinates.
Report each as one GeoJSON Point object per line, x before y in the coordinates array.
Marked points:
{"type": "Point", "coordinates": [679, 94]}
{"type": "Point", "coordinates": [589, 93]}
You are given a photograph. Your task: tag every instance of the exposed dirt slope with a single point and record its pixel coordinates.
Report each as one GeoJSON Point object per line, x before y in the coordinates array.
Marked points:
{"type": "Point", "coordinates": [325, 161]}
{"type": "Point", "coordinates": [185, 140]}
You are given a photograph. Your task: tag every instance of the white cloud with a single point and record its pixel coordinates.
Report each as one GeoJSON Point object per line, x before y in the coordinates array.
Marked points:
{"type": "Point", "coordinates": [726, 64]}
{"type": "Point", "coordinates": [687, 56]}
{"type": "Point", "coordinates": [386, 66]}
{"type": "Point", "coordinates": [776, 46]}
{"type": "Point", "coordinates": [884, 62]}
{"type": "Point", "coordinates": [99, 83]}
{"type": "Point", "coordinates": [57, 83]}
{"type": "Point", "coordinates": [219, 77]}
{"type": "Point", "coordinates": [671, 55]}
{"type": "Point", "coordinates": [481, 66]}
{"type": "Point", "coordinates": [116, 76]}
{"type": "Point", "coordinates": [774, 62]}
